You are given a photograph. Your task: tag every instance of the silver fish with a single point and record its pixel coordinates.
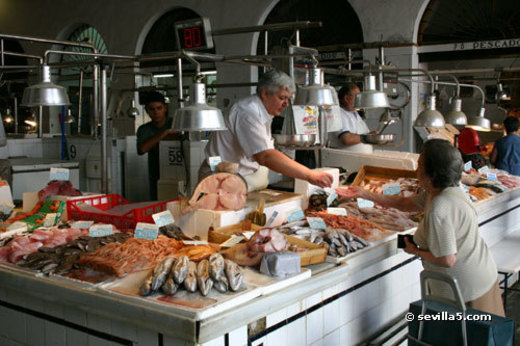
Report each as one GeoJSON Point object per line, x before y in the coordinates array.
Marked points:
{"type": "Point", "coordinates": [221, 284]}
{"type": "Point", "coordinates": [203, 279]}
{"type": "Point", "coordinates": [234, 275]}
{"type": "Point", "coordinates": [160, 273]}
{"type": "Point", "coordinates": [341, 250]}
{"type": "Point", "coordinates": [169, 287]}
{"type": "Point", "coordinates": [216, 266]}
{"type": "Point", "coordinates": [332, 251]}
{"type": "Point", "coordinates": [146, 287]}
{"type": "Point", "coordinates": [180, 269]}
{"type": "Point", "coordinates": [190, 283]}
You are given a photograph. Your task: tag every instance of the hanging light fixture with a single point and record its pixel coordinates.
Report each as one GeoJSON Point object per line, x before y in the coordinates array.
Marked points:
{"type": "Point", "coordinates": [8, 116]}
{"type": "Point", "coordinates": [198, 116]}
{"type": "Point", "coordinates": [31, 120]}
{"type": "Point", "coordinates": [456, 116]}
{"type": "Point", "coordinates": [45, 93]}
{"type": "Point", "coordinates": [371, 97]}
{"type": "Point", "coordinates": [501, 95]}
{"type": "Point", "coordinates": [430, 117]}
{"type": "Point", "coordinates": [69, 119]}
{"type": "Point", "coordinates": [133, 111]}
{"type": "Point", "coordinates": [479, 122]}
{"type": "Point", "coordinates": [316, 93]}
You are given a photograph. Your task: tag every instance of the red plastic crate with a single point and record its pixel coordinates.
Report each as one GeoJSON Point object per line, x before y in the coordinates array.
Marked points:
{"type": "Point", "coordinates": [106, 202]}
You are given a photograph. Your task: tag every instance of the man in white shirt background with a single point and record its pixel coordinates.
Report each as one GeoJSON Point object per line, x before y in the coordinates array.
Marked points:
{"type": "Point", "coordinates": [247, 140]}
{"type": "Point", "coordinates": [352, 124]}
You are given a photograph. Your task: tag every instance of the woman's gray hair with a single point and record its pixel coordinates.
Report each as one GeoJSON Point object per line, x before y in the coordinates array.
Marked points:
{"type": "Point", "coordinates": [273, 80]}
{"type": "Point", "coordinates": [442, 162]}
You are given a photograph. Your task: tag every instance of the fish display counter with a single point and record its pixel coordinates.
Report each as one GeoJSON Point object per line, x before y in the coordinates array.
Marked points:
{"type": "Point", "coordinates": [345, 300]}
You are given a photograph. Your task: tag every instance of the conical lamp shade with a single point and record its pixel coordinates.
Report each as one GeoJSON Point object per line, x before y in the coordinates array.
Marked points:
{"type": "Point", "coordinates": [455, 116]}
{"type": "Point", "coordinates": [479, 123]}
{"type": "Point", "coordinates": [198, 116]}
{"type": "Point", "coordinates": [316, 94]}
{"type": "Point", "coordinates": [371, 97]}
{"type": "Point", "coordinates": [430, 117]}
{"type": "Point", "coordinates": [45, 93]}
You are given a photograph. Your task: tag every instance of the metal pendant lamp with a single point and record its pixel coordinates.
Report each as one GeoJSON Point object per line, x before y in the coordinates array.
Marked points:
{"type": "Point", "coordinates": [45, 93]}
{"type": "Point", "coordinates": [198, 116]}
{"type": "Point", "coordinates": [8, 116]}
{"type": "Point", "coordinates": [430, 117]}
{"type": "Point", "coordinates": [479, 122]}
{"type": "Point", "coordinates": [371, 97]}
{"type": "Point", "coordinates": [69, 119]}
{"type": "Point", "coordinates": [316, 93]}
{"type": "Point", "coordinates": [456, 116]}
{"type": "Point", "coordinates": [501, 95]}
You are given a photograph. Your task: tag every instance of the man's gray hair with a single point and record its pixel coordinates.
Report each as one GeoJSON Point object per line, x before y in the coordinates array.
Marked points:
{"type": "Point", "coordinates": [273, 80]}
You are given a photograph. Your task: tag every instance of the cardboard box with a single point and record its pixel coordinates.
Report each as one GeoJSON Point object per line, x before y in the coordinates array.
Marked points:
{"type": "Point", "coordinates": [306, 189]}
{"type": "Point", "coordinates": [382, 173]}
{"type": "Point", "coordinates": [168, 189]}
{"type": "Point", "coordinates": [313, 254]}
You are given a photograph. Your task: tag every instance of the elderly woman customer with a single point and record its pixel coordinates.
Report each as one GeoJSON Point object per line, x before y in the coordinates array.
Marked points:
{"type": "Point", "coordinates": [447, 237]}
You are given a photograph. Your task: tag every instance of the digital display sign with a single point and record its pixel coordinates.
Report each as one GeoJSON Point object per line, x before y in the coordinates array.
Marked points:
{"type": "Point", "coordinates": [194, 34]}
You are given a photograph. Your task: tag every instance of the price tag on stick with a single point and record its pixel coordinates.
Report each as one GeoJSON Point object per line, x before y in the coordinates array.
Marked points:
{"type": "Point", "coordinates": [146, 230]}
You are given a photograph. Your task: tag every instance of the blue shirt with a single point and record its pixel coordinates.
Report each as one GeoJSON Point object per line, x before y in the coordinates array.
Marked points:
{"type": "Point", "coordinates": [508, 154]}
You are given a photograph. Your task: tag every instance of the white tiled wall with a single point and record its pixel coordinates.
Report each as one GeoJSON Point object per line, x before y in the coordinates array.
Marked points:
{"type": "Point", "coordinates": [352, 318]}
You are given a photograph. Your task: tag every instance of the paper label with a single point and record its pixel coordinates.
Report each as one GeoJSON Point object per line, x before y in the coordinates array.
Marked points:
{"type": "Point", "coordinates": [50, 220]}
{"type": "Point", "coordinates": [100, 230]}
{"type": "Point", "coordinates": [295, 215]}
{"type": "Point", "coordinates": [18, 225]}
{"type": "Point", "coordinates": [483, 170]}
{"type": "Point", "coordinates": [195, 242]}
{"type": "Point", "coordinates": [146, 230]}
{"type": "Point", "coordinates": [163, 218]}
{"type": "Point", "coordinates": [235, 239]}
{"type": "Point", "coordinates": [59, 173]}
{"type": "Point", "coordinates": [82, 224]}
{"type": "Point", "coordinates": [213, 162]}
{"type": "Point", "coordinates": [364, 203]}
{"type": "Point", "coordinates": [337, 211]}
{"type": "Point", "coordinates": [467, 166]}
{"type": "Point", "coordinates": [331, 198]}
{"type": "Point", "coordinates": [248, 234]}
{"type": "Point", "coordinates": [391, 189]}
{"type": "Point", "coordinates": [271, 218]}
{"type": "Point", "coordinates": [491, 176]}
{"type": "Point", "coordinates": [316, 223]}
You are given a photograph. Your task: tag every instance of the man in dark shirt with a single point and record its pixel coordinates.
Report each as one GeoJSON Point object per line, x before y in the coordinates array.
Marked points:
{"type": "Point", "coordinates": [149, 135]}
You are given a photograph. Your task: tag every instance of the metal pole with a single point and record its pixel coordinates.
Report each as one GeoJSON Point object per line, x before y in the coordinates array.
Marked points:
{"type": "Point", "coordinates": [80, 99]}
{"type": "Point", "coordinates": [2, 49]}
{"type": "Point", "coordinates": [380, 69]}
{"type": "Point", "coordinates": [104, 125]}
{"type": "Point", "coordinates": [15, 111]}
{"type": "Point", "coordinates": [266, 46]}
{"type": "Point", "coordinates": [40, 121]}
{"type": "Point", "coordinates": [180, 96]}
{"type": "Point", "coordinates": [95, 99]}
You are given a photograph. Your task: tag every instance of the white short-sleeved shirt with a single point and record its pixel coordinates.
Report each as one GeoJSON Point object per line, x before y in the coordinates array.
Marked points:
{"type": "Point", "coordinates": [450, 227]}
{"type": "Point", "coordinates": [351, 122]}
{"type": "Point", "coordinates": [248, 133]}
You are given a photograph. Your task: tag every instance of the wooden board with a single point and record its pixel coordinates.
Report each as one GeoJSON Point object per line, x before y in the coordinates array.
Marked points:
{"type": "Point", "coordinates": [313, 254]}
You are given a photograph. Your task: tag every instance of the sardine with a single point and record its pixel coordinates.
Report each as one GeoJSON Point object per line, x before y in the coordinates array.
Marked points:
{"type": "Point", "coordinates": [160, 273]}
{"type": "Point", "coordinates": [319, 240]}
{"type": "Point", "coordinates": [234, 275]}
{"type": "Point", "coordinates": [341, 250]}
{"type": "Point", "coordinates": [342, 238]}
{"type": "Point", "coordinates": [66, 264]}
{"type": "Point", "coordinates": [361, 241]}
{"type": "Point", "coordinates": [216, 266]}
{"type": "Point", "coordinates": [169, 287]}
{"type": "Point", "coordinates": [221, 284]}
{"type": "Point", "coordinates": [190, 283]}
{"type": "Point", "coordinates": [203, 279]}
{"type": "Point", "coordinates": [146, 286]}
{"type": "Point", "coordinates": [180, 269]}
{"type": "Point", "coordinates": [49, 267]}
{"type": "Point", "coordinates": [332, 251]}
